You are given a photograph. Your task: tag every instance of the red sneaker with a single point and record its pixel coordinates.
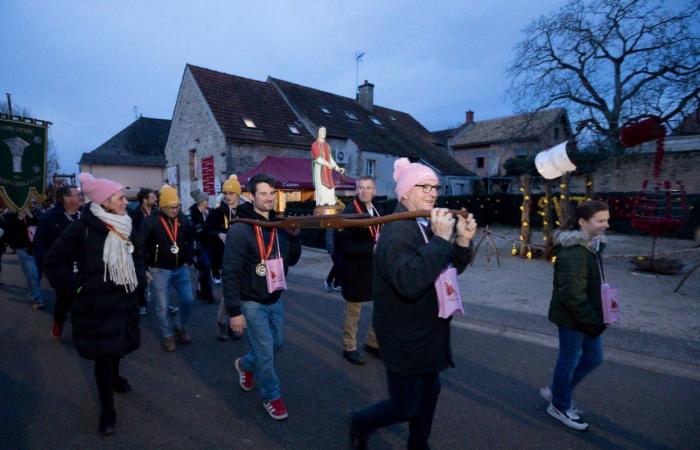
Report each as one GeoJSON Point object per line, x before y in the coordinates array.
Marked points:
{"type": "Point", "coordinates": [245, 378]}
{"type": "Point", "coordinates": [56, 331]}
{"type": "Point", "coordinates": [276, 409]}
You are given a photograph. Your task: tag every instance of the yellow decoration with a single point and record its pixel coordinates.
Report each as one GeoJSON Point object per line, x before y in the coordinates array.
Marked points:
{"type": "Point", "coordinates": [524, 224]}
{"type": "Point", "coordinates": [529, 253]}
{"type": "Point", "coordinates": [527, 197]}
{"type": "Point", "coordinates": [522, 189]}
{"type": "Point", "coordinates": [522, 238]}
{"type": "Point", "coordinates": [562, 185]}
{"type": "Point", "coordinates": [558, 223]}
{"type": "Point", "coordinates": [544, 238]}
{"type": "Point", "coordinates": [522, 208]}
{"type": "Point", "coordinates": [554, 259]}
{"type": "Point", "coordinates": [545, 223]}
{"type": "Point", "coordinates": [590, 183]}
{"type": "Point", "coordinates": [513, 251]}
{"type": "Point", "coordinates": [562, 196]}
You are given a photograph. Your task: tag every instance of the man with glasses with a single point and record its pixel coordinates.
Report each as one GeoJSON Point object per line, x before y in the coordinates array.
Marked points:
{"type": "Point", "coordinates": [415, 342]}
{"type": "Point", "coordinates": [356, 246]}
{"type": "Point", "coordinates": [166, 243]}
{"type": "Point", "coordinates": [50, 227]}
{"type": "Point", "coordinates": [248, 270]}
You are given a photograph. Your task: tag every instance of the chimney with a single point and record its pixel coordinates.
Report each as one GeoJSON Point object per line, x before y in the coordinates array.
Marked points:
{"type": "Point", "coordinates": [470, 116]}
{"type": "Point", "coordinates": [365, 96]}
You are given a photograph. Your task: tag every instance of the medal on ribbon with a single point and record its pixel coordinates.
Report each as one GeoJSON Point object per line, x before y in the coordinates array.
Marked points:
{"type": "Point", "coordinates": [263, 250]}
{"type": "Point", "coordinates": [172, 234]}
{"type": "Point", "coordinates": [127, 242]}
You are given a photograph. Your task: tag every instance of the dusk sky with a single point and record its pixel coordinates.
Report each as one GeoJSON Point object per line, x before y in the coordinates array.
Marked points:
{"type": "Point", "coordinates": [85, 65]}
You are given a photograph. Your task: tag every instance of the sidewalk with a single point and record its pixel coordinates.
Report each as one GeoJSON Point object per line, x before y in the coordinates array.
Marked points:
{"type": "Point", "coordinates": [648, 302]}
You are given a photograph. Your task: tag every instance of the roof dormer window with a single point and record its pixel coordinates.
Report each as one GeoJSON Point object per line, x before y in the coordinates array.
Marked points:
{"type": "Point", "coordinates": [375, 120]}
{"type": "Point", "coordinates": [325, 110]}
{"type": "Point", "coordinates": [293, 129]}
{"type": "Point", "coordinates": [249, 123]}
{"type": "Point", "coordinates": [392, 118]}
{"type": "Point", "coordinates": [350, 115]}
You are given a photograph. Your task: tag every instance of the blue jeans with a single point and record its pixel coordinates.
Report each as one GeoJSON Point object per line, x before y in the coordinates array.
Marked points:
{"type": "Point", "coordinates": [179, 279]}
{"type": "Point", "coordinates": [412, 399]}
{"type": "Point", "coordinates": [265, 333]}
{"type": "Point", "coordinates": [578, 356]}
{"type": "Point", "coordinates": [31, 274]}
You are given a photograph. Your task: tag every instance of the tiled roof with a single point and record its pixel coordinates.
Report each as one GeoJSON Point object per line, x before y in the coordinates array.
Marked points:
{"type": "Point", "coordinates": [232, 98]}
{"type": "Point", "coordinates": [441, 136]}
{"type": "Point", "coordinates": [142, 143]}
{"type": "Point", "coordinates": [521, 127]}
{"type": "Point", "coordinates": [397, 133]}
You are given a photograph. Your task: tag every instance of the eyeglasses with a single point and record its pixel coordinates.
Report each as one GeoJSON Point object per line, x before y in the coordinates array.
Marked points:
{"type": "Point", "coordinates": [428, 187]}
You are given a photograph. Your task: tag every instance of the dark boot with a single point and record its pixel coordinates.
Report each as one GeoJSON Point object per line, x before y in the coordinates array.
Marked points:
{"type": "Point", "coordinates": [108, 422]}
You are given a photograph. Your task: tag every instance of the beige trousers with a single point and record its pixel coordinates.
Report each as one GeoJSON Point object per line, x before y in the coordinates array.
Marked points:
{"type": "Point", "coordinates": [352, 317]}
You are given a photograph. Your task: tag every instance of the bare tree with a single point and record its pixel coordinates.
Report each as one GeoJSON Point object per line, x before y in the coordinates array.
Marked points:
{"type": "Point", "coordinates": [611, 63]}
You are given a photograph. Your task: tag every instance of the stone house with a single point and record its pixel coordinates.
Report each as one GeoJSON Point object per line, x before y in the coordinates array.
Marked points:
{"type": "Point", "coordinates": [483, 146]}
{"type": "Point", "coordinates": [240, 121]}
{"type": "Point", "coordinates": [134, 157]}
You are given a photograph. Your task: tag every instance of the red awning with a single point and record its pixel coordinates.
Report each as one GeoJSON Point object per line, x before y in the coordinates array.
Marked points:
{"type": "Point", "coordinates": [293, 174]}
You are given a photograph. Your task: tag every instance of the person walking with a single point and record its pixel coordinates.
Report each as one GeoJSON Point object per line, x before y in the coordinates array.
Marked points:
{"type": "Point", "coordinates": [217, 225]}
{"type": "Point", "coordinates": [410, 257]}
{"type": "Point", "coordinates": [166, 238]}
{"type": "Point", "coordinates": [251, 266]}
{"type": "Point", "coordinates": [576, 308]}
{"type": "Point", "coordinates": [148, 201]}
{"type": "Point", "coordinates": [356, 247]}
{"type": "Point", "coordinates": [199, 212]}
{"type": "Point", "coordinates": [19, 234]}
{"type": "Point", "coordinates": [93, 258]}
{"type": "Point", "coordinates": [51, 226]}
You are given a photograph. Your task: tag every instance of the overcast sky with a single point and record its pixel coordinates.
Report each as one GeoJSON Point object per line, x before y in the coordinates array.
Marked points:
{"type": "Point", "coordinates": [84, 65]}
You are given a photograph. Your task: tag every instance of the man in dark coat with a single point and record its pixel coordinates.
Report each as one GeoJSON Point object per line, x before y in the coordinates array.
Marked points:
{"type": "Point", "coordinates": [166, 239]}
{"type": "Point", "coordinates": [218, 223]}
{"type": "Point", "coordinates": [50, 227]}
{"type": "Point", "coordinates": [414, 341]}
{"type": "Point", "coordinates": [19, 235]}
{"type": "Point", "coordinates": [147, 204]}
{"type": "Point", "coordinates": [199, 212]}
{"type": "Point", "coordinates": [356, 246]}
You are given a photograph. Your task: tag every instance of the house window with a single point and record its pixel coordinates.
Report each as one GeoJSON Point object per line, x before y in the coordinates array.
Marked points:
{"type": "Point", "coordinates": [556, 132]}
{"type": "Point", "coordinates": [392, 118]}
{"type": "Point", "coordinates": [521, 153]}
{"type": "Point", "coordinates": [293, 129]}
{"type": "Point", "coordinates": [480, 161]}
{"type": "Point", "coordinates": [350, 115]}
{"type": "Point", "coordinates": [249, 123]}
{"type": "Point", "coordinates": [375, 120]}
{"type": "Point", "coordinates": [325, 110]}
{"type": "Point", "coordinates": [371, 164]}
{"type": "Point", "coordinates": [193, 165]}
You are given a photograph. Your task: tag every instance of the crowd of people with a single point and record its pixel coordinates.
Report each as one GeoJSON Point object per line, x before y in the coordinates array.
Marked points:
{"type": "Point", "coordinates": [107, 264]}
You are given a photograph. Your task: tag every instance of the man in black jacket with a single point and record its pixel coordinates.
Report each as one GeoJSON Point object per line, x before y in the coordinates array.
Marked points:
{"type": "Point", "coordinates": [50, 227]}
{"type": "Point", "coordinates": [247, 266]}
{"type": "Point", "coordinates": [199, 212]}
{"type": "Point", "coordinates": [165, 240]}
{"type": "Point", "coordinates": [415, 342]}
{"type": "Point", "coordinates": [147, 204]}
{"type": "Point", "coordinates": [19, 232]}
{"type": "Point", "coordinates": [219, 222]}
{"type": "Point", "coordinates": [356, 246]}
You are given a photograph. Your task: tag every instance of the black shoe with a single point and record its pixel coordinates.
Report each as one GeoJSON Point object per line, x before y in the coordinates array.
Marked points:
{"type": "Point", "coordinates": [122, 386]}
{"type": "Point", "coordinates": [374, 351]}
{"type": "Point", "coordinates": [108, 421]}
{"type": "Point", "coordinates": [358, 441]}
{"type": "Point", "coordinates": [354, 357]}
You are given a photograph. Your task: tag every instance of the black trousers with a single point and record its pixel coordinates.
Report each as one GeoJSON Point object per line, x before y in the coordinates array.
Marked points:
{"type": "Point", "coordinates": [64, 300]}
{"type": "Point", "coordinates": [334, 275]}
{"type": "Point", "coordinates": [216, 253]}
{"type": "Point", "coordinates": [412, 399]}
{"type": "Point", "coordinates": [106, 375]}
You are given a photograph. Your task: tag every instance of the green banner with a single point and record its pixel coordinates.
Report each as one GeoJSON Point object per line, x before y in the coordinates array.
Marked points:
{"type": "Point", "coordinates": [22, 162]}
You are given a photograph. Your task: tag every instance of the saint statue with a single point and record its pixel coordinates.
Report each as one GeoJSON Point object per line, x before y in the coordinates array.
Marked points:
{"type": "Point", "coordinates": [323, 166]}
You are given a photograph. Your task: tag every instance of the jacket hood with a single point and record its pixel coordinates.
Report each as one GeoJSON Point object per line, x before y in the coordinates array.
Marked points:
{"type": "Point", "coordinates": [569, 238]}
{"type": "Point", "coordinates": [246, 211]}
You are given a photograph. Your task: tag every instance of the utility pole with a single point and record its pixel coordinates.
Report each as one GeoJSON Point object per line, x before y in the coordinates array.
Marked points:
{"type": "Point", "coordinates": [358, 58]}
{"type": "Point", "coordinates": [9, 104]}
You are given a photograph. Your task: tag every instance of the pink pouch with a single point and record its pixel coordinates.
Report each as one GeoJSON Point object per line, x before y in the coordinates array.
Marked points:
{"type": "Point", "coordinates": [275, 273]}
{"type": "Point", "coordinates": [448, 293]}
{"type": "Point", "coordinates": [447, 289]}
{"type": "Point", "coordinates": [610, 297]}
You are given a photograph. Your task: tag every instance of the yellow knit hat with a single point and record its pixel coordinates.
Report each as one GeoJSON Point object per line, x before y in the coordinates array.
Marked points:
{"type": "Point", "coordinates": [232, 185]}
{"type": "Point", "coordinates": [168, 197]}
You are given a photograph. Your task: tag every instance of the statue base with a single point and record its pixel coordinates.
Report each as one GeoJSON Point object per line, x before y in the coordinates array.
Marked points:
{"type": "Point", "coordinates": [327, 210]}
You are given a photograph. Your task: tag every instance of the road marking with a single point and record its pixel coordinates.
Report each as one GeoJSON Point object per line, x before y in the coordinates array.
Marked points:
{"type": "Point", "coordinates": [616, 355]}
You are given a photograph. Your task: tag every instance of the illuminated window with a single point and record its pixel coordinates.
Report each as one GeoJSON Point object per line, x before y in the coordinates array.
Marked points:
{"type": "Point", "coordinates": [249, 122]}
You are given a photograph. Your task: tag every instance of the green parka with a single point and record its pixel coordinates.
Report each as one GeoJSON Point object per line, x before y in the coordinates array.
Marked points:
{"type": "Point", "coordinates": [576, 302]}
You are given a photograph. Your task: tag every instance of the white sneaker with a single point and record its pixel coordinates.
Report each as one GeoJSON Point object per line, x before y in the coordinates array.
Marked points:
{"type": "Point", "coordinates": [546, 393]}
{"type": "Point", "coordinates": [570, 418]}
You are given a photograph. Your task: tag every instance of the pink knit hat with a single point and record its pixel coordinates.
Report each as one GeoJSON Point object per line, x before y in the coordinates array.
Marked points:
{"type": "Point", "coordinates": [98, 189]}
{"type": "Point", "coordinates": [408, 174]}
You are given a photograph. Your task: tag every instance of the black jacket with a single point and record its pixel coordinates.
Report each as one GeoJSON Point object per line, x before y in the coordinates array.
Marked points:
{"type": "Point", "coordinates": [16, 234]}
{"type": "Point", "coordinates": [219, 221]}
{"type": "Point", "coordinates": [137, 216]}
{"type": "Point", "coordinates": [156, 244]}
{"type": "Point", "coordinates": [198, 220]}
{"type": "Point", "coordinates": [413, 339]}
{"type": "Point", "coordinates": [356, 246]}
{"type": "Point", "coordinates": [240, 282]}
{"type": "Point", "coordinates": [105, 319]}
{"type": "Point", "coordinates": [50, 227]}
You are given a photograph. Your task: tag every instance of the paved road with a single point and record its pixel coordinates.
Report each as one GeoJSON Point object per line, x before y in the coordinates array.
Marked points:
{"type": "Point", "coordinates": [190, 399]}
